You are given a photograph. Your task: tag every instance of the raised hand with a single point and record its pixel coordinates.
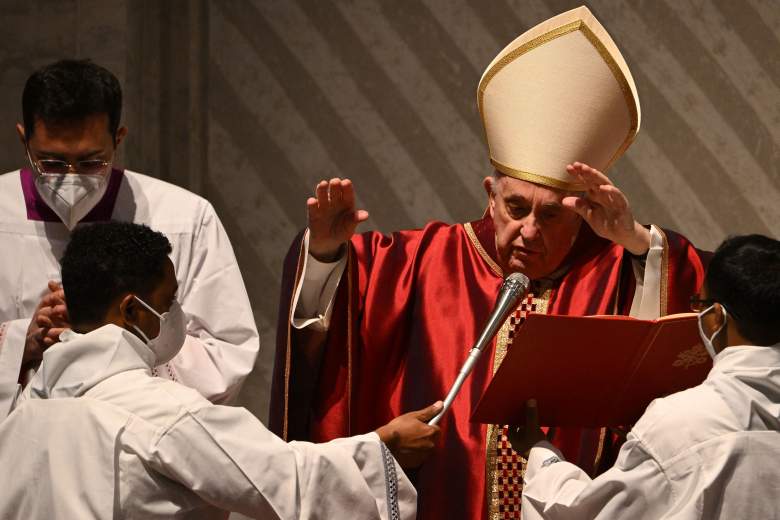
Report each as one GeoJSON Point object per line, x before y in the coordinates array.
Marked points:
{"type": "Point", "coordinates": [49, 320]}
{"type": "Point", "coordinates": [410, 438]}
{"type": "Point", "coordinates": [332, 218]}
{"type": "Point", "coordinates": [605, 208]}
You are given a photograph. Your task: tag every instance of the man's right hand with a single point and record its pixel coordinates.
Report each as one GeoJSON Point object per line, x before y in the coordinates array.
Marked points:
{"type": "Point", "coordinates": [50, 319]}
{"type": "Point", "coordinates": [332, 218]}
{"type": "Point", "coordinates": [410, 438]}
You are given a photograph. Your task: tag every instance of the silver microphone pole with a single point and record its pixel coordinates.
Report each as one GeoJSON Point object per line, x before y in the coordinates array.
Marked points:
{"type": "Point", "coordinates": [515, 286]}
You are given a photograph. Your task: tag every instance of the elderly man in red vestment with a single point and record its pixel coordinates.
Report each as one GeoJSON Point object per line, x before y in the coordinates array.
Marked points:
{"type": "Point", "coordinates": [373, 325]}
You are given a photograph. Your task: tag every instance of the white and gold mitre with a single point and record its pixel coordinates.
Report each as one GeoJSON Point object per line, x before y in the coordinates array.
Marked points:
{"type": "Point", "coordinates": [559, 93]}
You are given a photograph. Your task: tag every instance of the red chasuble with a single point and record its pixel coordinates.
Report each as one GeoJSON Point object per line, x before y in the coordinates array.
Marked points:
{"type": "Point", "coordinates": [407, 310]}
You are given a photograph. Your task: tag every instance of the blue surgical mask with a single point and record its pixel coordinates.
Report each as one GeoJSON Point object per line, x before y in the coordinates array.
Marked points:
{"type": "Point", "coordinates": [708, 341]}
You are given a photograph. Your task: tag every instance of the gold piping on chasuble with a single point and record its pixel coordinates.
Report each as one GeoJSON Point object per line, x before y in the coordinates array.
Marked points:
{"type": "Point", "coordinates": [504, 337]}
{"type": "Point", "coordinates": [599, 449]}
{"type": "Point", "coordinates": [664, 285]}
{"type": "Point", "coordinates": [350, 281]}
{"type": "Point", "coordinates": [288, 350]}
{"type": "Point", "coordinates": [481, 250]}
{"type": "Point", "coordinates": [578, 25]}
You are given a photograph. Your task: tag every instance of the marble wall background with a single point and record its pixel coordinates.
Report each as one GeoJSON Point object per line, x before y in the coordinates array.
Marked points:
{"type": "Point", "coordinates": [250, 103]}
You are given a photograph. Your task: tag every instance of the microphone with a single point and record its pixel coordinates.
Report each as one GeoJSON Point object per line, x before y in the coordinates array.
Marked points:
{"type": "Point", "coordinates": [515, 286]}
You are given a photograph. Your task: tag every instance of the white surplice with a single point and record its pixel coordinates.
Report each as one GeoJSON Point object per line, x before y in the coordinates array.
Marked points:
{"type": "Point", "coordinates": [709, 453]}
{"type": "Point", "coordinates": [222, 341]}
{"type": "Point", "coordinates": [95, 435]}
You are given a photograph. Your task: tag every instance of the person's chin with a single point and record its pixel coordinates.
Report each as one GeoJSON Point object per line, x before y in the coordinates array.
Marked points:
{"type": "Point", "coordinates": [530, 265]}
{"type": "Point", "coordinates": [521, 266]}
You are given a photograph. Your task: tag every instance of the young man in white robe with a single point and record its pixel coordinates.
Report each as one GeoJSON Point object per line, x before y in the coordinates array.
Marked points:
{"type": "Point", "coordinates": [710, 452]}
{"type": "Point", "coordinates": [95, 435]}
{"type": "Point", "coordinates": [71, 131]}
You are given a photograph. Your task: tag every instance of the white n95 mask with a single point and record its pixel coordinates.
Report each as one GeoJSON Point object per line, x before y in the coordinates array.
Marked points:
{"type": "Point", "coordinates": [71, 195]}
{"type": "Point", "coordinates": [173, 331]}
{"type": "Point", "coordinates": [704, 339]}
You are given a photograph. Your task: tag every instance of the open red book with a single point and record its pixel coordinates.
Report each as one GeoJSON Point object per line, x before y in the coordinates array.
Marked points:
{"type": "Point", "coordinates": [593, 370]}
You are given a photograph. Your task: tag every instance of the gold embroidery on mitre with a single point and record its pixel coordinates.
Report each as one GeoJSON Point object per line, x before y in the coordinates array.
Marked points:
{"type": "Point", "coordinates": [516, 53]}
{"type": "Point", "coordinates": [536, 179]}
{"type": "Point", "coordinates": [577, 25]}
{"type": "Point", "coordinates": [628, 94]}
{"type": "Point", "coordinates": [696, 355]}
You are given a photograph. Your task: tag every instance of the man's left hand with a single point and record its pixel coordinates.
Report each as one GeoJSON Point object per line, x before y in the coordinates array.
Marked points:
{"type": "Point", "coordinates": [605, 208]}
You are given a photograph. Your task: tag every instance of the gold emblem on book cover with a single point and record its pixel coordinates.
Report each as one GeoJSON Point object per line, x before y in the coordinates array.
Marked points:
{"type": "Point", "coordinates": [696, 355]}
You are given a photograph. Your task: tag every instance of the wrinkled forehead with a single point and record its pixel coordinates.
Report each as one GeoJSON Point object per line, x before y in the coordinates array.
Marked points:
{"type": "Point", "coordinates": [510, 187]}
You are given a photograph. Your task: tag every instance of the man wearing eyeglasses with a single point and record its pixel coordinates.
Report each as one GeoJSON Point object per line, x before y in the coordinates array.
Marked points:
{"type": "Point", "coordinates": [70, 133]}
{"type": "Point", "coordinates": [709, 452]}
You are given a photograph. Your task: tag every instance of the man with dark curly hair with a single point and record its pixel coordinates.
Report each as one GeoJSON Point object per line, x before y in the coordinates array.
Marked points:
{"type": "Point", "coordinates": [70, 134]}
{"type": "Point", "coordinates": [95, 435]}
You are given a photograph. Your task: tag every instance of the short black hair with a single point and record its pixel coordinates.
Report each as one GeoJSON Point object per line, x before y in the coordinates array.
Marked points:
{"type": "Point", "coordinates": [105, 260]}
{"type": "Point", "coordinates": [71, 90]}
{"type": "Point", "coordinates": [744, 277]}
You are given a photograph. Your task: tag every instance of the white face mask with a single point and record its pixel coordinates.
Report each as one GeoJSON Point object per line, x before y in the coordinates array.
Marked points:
{"type": "Point", "coordinates": [173, 331]}
{"type": "Point", "coordinates": [71, 195]}
{"type": "Point", "coordinates": [708, 341]}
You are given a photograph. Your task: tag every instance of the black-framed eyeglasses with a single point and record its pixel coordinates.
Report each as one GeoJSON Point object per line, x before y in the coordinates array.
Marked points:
{"type": "Point", "coordinates": [699, 304]}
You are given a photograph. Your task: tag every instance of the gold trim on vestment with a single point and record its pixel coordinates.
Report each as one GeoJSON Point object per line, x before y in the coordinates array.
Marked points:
{"type": "Point", "coordinates": [544, 301]}
{"type": "Point", "coordinates": [492, 481]}
{"type": "Point", "coordinates": [599, 450]}
{"type": "Point", "coordinates": [350, 260]}
{"type": "Point", "coordinates": [481, 250]}
{"type": "Point", "coordinates": [288, 352]}
{"type": "Point", "coordinates": [664, 287]}
{"type": "Point", "coordinates": [493, 430]}
{"type": "Point", "coordinates": [577, 25]}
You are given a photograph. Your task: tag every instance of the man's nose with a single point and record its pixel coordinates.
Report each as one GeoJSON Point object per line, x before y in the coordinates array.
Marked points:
{"type": "Point", "coordinates": [529, 229]}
